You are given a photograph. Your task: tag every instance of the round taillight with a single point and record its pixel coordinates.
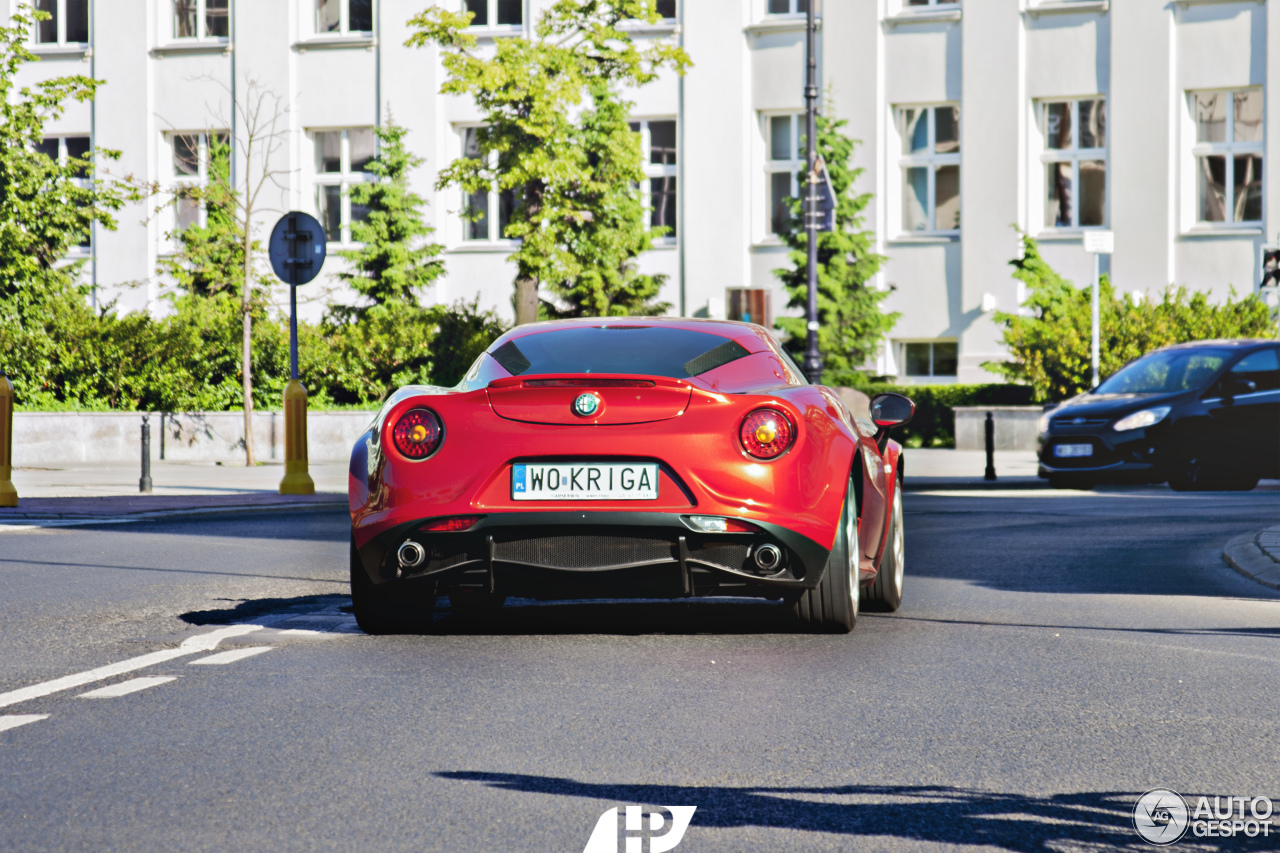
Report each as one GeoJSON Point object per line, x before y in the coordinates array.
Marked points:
{"type": "Point", "coordinates": [766, 433]}
{"type": "Point", "coordinates": [418, 433]}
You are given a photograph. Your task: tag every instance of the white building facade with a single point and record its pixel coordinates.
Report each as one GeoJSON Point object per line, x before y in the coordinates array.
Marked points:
{"type": "Point", "coordinates": [976, 119]}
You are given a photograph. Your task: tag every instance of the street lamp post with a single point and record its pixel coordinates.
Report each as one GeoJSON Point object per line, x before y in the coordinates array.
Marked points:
{"type": "Point", "coordinates": [812, 358]}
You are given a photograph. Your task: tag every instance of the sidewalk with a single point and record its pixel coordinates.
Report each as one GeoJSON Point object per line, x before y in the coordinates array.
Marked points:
{"type": "Point", "coordinates": [1256, 555]}
{"type": "Point", "coordinates": [941, 469]}
{"type": "Point", "coordinates": [84, 493]}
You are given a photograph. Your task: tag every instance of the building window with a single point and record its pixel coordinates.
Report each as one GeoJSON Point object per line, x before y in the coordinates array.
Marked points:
{"type": "Point", "coordinates": [342, 159]}
{"type": "Point", "coordinates": [62, 150]}
{"type": "Point", "coordinates": [931, 2]}
{"type": "Point", "coordinates": [191, 154]}
{"type": "Point", "coordinates": [344, 16]}
{"type": "Point", "coordinates": [749, 305]}
{"type": "Point", "coordinates": [67, 24]}
{"type": "Point", "coordinates": [658, 146]}
{"type": "Point", "coordinates": [1075, 158]}
{"type": "Point", "coordinates": [784, 136]}
{"type": "Point", "coordinates": [930, 358]}
{"type": "Point", "coordinates": [667, 10]}
{"type": "Point", "coordinates": [486, 215]}
{"type": "Point", "coordinates": [788, 7]}
{"type": "Point", "coordinates": [489, 13]}
{"type": "Point", "coordinates": [930, 168]}
{"type": "Point", "coordinates": [1228, 155]}
{"type": "Point", "coordinates": [201, 19]}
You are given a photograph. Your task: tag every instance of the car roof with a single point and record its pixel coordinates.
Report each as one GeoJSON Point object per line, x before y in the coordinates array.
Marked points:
{"type": "Point", "coordinates": [1221, 343]}
{"type": "Point", "coordinates": [754, 338]}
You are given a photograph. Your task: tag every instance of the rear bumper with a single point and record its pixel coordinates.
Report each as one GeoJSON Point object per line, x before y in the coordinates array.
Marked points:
{"type": "Point", "coordinates": [597, 554]}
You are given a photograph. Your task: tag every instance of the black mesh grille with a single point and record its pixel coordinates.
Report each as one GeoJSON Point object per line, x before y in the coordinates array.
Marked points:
{"type": "Point", "coordinates": [729, 555]}
{"type": "Point", "coordinates": [585, 551]}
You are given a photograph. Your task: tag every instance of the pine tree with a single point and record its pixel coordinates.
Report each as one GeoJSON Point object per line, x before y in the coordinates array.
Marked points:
{"type": "Point", "coordinates": [395, 262]}
{"type": "Point", "coordinates": [851, 324]}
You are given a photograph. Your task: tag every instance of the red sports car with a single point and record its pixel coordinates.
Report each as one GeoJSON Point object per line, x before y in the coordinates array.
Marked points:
{"type": "Point", "coordinates": [627, 457]}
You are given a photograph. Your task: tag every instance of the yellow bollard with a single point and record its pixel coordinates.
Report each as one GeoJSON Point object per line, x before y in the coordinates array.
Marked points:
{"type": "Point", "coordinates": [297, 481]}
{"type": "Point", "coordinates": [8, 494]}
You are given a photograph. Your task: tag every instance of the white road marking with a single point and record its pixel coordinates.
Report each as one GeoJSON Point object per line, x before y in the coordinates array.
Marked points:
{"type": "Point", "coordinates": [12, 721]}
{"type": "Point", "coordinates": [124, 688]}
{"type": "Point", "coordinates": [192, 645]}
{"type": "Point", "coordinates": [232, 656]}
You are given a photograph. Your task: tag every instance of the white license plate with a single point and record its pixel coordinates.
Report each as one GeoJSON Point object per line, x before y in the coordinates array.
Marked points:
{"type": "Point", "coordinates": [585, 481]}
{"type": "Point", "coordinates": [1063, 451]}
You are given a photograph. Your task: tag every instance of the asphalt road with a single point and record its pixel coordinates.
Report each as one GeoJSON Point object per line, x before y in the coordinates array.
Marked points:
{"type": "Point", "coordinates": [1057, 655]}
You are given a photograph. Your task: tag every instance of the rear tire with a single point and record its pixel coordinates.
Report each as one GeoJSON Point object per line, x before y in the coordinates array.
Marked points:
{"type": "Point", "coordinates": [833, 605]}
{"type": "Point", "coordinates": [884, 595]}
{"type": "Point", "coordinates": [395, 607]}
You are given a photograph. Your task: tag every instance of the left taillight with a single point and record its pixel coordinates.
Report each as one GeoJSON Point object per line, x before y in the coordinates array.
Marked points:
{"type": "Point", "coordinates": [418, 433]}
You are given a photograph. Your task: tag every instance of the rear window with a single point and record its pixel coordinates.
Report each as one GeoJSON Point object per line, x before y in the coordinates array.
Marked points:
{"type": "Point", "coordinates": [649, 350]}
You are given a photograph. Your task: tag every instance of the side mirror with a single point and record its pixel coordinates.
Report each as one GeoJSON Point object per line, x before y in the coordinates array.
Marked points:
{"type": "Point", "coordinates": [891, 410]}
{"type": "Point", "coordinates": [1234, 386]}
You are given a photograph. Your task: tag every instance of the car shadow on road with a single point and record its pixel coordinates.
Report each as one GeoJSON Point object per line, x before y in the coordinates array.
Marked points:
{"type": "Point", "coordinates": [1088, 820]}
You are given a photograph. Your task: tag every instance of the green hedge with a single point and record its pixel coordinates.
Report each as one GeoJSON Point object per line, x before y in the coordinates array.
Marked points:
{"type": "Point", "coordinates": [934, 424]}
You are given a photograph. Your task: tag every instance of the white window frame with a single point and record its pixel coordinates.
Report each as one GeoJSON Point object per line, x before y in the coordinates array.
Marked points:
{"type": "Point", "coordinates": [61, 23]}
{"type": "Point", "coordinates": [493, 26]}
{"type": "Point", "coordinates": [658, 170]}
{"type": "Point", "coordinates": [494, 240]}
{"type": "Point", "coordinates": [1229, 149]}
{"type": "Point", "coordinates": [202, 24]}
{"type": "Point", "coordinates": [772, 167]}
{"type": "Point", "coordinates": [76, 251]}
{"type": "Point", "coordinates": [344, 178]}
{"type": "Point", "coordinates": [793, 7]}
{"type": "Point", "coordinates": [175, 179]}
{"type": "Point", "coordinates": [344, 20]}
{"type": "Point", "coordinates": [937, 378]}
{"type": "Point", "coordinates": [928, 159]}
{"type": "Point", "coordinates": [1073, 155]}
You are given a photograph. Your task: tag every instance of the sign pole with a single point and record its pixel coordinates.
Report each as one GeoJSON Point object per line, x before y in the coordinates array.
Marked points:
{"type": "Point", "coordinates": [297, 251]}
{"type": "Point", "coordinates": [8, 494]}
{"type": "Point", "coordinates": [812, 357]}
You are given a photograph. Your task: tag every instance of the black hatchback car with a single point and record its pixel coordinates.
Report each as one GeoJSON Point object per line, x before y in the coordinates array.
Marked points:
{"type": "Point", "coordinates": [1200, 416]}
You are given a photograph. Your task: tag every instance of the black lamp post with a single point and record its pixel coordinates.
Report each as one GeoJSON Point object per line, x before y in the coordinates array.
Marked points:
{"type": "Point", "coordinates": [812, 358]}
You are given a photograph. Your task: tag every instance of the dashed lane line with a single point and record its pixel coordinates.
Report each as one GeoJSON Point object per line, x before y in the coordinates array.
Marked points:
{"type": "Point", "coordinates": [192, 645]}
{"type": "Point", "coordinates": [12, 721]}
{"type": "Point", "coordinates": [124, 688]}
{"type": "Point", "coordinates": [232, 656]}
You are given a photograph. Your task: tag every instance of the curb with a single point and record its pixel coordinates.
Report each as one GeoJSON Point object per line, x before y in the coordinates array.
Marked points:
{"type": "Point", "coordinates": [69, 519]}
{"type": "Point", "coordinates": [1256, 556]}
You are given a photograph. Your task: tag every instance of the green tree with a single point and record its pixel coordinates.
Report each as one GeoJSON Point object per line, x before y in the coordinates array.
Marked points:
{"type": "Point", "coordinates": [394, 262]}
{"type": "Point", "coordinates": [851, 324]}
{"type": "Point", "coordinates": [209, 258]}
{"type": "Point", "coordinates": [568, 165]}
{"type": "Point", "coordinates": [1051, 347]}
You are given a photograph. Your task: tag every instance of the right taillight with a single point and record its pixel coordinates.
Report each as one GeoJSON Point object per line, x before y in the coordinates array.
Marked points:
{"type": "Point", "coordinates": [766, 433]}
{"type": "Point", "coordinates": [418, 433]}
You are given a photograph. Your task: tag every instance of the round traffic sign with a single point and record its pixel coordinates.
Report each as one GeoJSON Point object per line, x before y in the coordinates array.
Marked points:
{"type": "Point", "coordinates": [297, 247]}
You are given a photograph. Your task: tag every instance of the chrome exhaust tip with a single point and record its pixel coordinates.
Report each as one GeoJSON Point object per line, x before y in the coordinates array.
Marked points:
{"type": "Point", "coordinates": [411, 555]}
{"type": "Point", "coordinates": [768, 557]}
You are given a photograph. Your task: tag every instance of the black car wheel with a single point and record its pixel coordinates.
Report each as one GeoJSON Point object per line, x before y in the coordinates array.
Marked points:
{"type": "Point", "coordinates": [884, 594]}
{"type": "Point", "coordinates": [833, 605]}
{"type": "Point", "coordinates": [397, 607]}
